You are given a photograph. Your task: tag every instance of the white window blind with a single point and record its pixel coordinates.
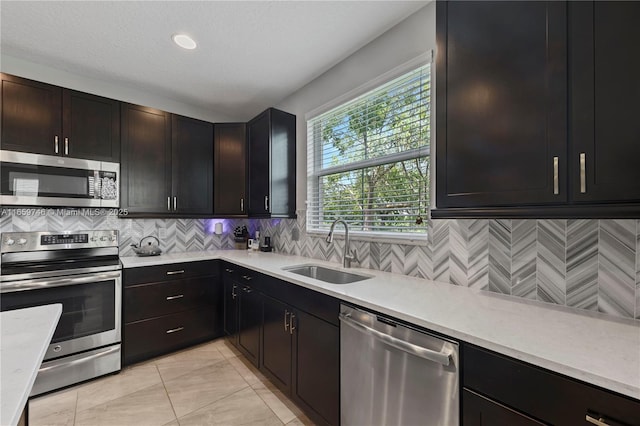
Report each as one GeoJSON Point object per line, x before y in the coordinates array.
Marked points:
{"type": "Point", "coordinates": [368, 159]}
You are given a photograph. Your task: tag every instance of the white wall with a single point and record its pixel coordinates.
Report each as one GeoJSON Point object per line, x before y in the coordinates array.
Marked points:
{"type": "Point", "coordinates": [46, 74]}
{"type": "Point", "coordinates": [412, 37]}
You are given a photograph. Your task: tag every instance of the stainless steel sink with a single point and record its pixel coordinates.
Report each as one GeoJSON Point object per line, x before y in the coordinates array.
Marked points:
{"type": "Point", "coordinates": [333, 276]}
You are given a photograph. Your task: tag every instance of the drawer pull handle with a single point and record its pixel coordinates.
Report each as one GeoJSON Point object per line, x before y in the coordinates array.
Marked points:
{"type": "Point", "coordinates": [181, 271]}
{"type": "Point", "coordinates": [556, 179]}
{"type": "Point", "coordinates": [247, 289]}
{"type": "Point", "coordinates": [174, 330]}
{"type": "Point", "coordinates": [247, 277]}
{"type": "Point", "coordinates": [229, 270]}
{"type": "Point", "coordinates": [177, 296]}
{"type": "Point", "coordinates": [583, 173]}
{"type": "Point", "coordinates": [233, 291]}
{"type": "Point", "coordinates": [599, 420]}
{"type": "Point", "coordinates": [292, 324]}
{"type": "Point", "coordinates": [286, 320]}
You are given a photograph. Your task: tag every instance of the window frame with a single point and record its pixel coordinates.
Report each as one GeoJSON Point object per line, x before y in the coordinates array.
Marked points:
{"type": "Point", "coordinates": [315, 149]}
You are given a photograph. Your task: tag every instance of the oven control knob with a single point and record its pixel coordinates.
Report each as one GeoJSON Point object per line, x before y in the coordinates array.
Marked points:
{"type": "Point", "coordinates": [94, 238]}
{"type": "Point", "coordinates": [103, 238]}
{"type": "Point", "coordinates": [9, 242]}
{"type": "Point", "coordinates": [22, 241]}
{"type": "Point", "coordinates": [113, 238]}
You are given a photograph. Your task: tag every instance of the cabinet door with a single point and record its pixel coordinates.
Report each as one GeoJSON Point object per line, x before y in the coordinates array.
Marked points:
{"type": "Point", "coordinates": [501, 103]}
{"type": "Point", "coordinates": [146, 160]}
{"type": "Point", "coordinates": [91, 127]}
{"type": "Point", "coordinates": [192, 147]}
{"type": "Point", "coordinates": [276, 342]}
{"type": "Point", "coordinates": [231, 290]}
{"type": "Point", "coordinates": [31, 116]}
{"type": "Point", "coordinates": [259, 160]}
{"type": "Point", "coordinates": [230, 159]}
{"type": "Point", "coordinates": [316, 366]}
{"type": "Point", "coordinates": [282, 201]}
{"type": "Point", "coordinates": [249, 323]}
{"type": "Point", "coordinates": [604, 72]}
{"type": "Point", "coordinates": [480, 411]}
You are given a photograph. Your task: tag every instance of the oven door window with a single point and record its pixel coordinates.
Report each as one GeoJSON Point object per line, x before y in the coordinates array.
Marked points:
{"type": "Point", "coordinates": [25, 180]}
{"type": "Point", "coordinates": [86, 308]}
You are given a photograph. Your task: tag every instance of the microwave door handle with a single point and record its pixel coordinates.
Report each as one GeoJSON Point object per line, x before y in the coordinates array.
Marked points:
{"type": "Point", "coordinates": [57, 282]}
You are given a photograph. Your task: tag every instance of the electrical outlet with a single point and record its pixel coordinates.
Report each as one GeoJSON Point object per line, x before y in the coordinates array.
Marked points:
{"type": "Point", "coordinates": [162, 233]}
{"type": "Point", "coordinates": [295, 234]}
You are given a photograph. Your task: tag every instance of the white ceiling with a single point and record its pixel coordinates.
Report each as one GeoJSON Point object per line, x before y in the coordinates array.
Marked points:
{"type": "Point", "coordinates": [250, 55]}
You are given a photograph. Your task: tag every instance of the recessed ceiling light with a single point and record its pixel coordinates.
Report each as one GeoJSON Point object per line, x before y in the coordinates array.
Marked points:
{"type": "Point", "coordinates": [184, 41]}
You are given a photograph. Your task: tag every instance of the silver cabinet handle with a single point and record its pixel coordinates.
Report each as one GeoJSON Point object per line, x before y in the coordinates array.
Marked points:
{"type": "Point", "coordinates": [266, 202]}
{"type": "Point", "coordinates": [233, 291]}
{"type": "Point", "coordinates": [181, 271]}
{"type": "Point", "coordinates": [174, 330]}
{"type": "Point", "coordinates": [66, 146]}
{"type": "Point", "coordinates": [583, 173]}
{"type": "Point", "coordinates": [175, 203]}
{"type": "Point", "coordinates": [177, 296]}
{"type": "Point", "coordinates": [55, 144]}
{"type": "Point", "coordinates": [286, 320]}
{"type": "Point", "coordinates": [601, 421]}
{"type": "Point", "coordinates": [247, 277]}
{"type": "Point", "coordinates": [291, 323]}
{"type": "Point", "coordinates": [242, 204]}
{"type": "Point", "coordinates": [556, 185]}
{"type": "Point", "coordinates": [168, 203]}
{"type": "Point", "coordinates": [439, 357]}
{"type": "Point", "coordinates": [229, 270]}
{"type": "Point", "coordinates": [247, 289]}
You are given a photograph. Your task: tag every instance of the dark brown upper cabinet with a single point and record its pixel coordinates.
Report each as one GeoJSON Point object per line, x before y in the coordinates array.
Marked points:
{"type": "Point", "coordinates": [605, 129]}
{"type": "Point", "coordinates": [167, 164]}
{"type": "Point", "coordinates": [146, 160]}
{"type": "Point", "coordinates": [501, 103]}
{"type": "Point", "coordinates": [272, 164]}
{"type": "Point", "coordinates": [536, 106]}
{"type": "Point", "coordinates": [41, 118]}
{"type": "Point", "coordinates": [230, 170]}
{"type": "Point", "coordinates": [192, 166]}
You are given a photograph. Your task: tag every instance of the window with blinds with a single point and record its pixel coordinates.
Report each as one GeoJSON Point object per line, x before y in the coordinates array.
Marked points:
{"type": "Point", "coordinates": [368, 159]}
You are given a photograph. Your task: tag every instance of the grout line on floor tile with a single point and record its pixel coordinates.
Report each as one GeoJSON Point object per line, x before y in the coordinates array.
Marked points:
{"type": "Point", "coordinates": [75, 410]}
{"type": "Point", "coordinates": [167, 393]}
{"type": "Point", "coordinates": [214, 402]}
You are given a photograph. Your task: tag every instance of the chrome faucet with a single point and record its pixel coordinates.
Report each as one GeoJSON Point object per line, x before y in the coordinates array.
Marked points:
{"type": "Point", "coordinates": [348, 255]}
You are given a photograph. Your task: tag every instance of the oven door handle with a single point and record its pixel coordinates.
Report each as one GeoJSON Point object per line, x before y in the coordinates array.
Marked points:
{"type": "Point", "coordinates": [57, 282]}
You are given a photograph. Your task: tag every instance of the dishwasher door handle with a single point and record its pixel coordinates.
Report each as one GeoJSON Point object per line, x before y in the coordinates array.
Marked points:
{"type": "Point", "coordinates": [439, 357]}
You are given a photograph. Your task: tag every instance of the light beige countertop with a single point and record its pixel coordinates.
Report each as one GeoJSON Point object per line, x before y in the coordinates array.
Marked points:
{"type": "Point", "coordinates": [589, 347]}
{"type": "Point", "coordinates": [25, 335]}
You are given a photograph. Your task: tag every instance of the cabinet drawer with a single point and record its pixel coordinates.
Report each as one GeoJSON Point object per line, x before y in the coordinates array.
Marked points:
{"type": "Point", "coordinates": [173, 271]}
{"type": "Point", "coordinates": [147, 338]}
{"type": "Point", "coordinates": [540, 393]}
{"type": "Point", "coordinates": [157, 299]}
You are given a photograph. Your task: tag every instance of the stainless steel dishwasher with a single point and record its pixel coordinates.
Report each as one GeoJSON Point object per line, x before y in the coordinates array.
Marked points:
{"type": "Point", "coordinates": [392, 374]}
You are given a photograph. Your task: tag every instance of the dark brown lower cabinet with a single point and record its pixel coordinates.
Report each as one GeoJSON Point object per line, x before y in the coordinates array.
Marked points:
{"type": "Point", "coordinates": [277, 345]}
{"type": "Point", "coordinates": [168, 307]}
{"type": "Point", "coordinates": [481, 411]}
{"type": "Point", "coordinates": [249, 323]}
{"type": "Point", "coordinates": [230, 305]}
{"type": "Point", "coordinates": [316, 368]}
{"type": "Point", "coordinates": [291, 334]}
{"type": "Point", "coordinates": [532, 392]}
{"type": "Point", "coordinates": [150, 337]}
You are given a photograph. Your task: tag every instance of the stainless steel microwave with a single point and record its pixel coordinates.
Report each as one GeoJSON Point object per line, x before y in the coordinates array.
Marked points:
{"type": "Point", "coordinates": [47, 180]}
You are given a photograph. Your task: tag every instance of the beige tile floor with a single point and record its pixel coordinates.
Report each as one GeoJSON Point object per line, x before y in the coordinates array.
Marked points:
{"type": "Point", "coordinates": [209, 384]}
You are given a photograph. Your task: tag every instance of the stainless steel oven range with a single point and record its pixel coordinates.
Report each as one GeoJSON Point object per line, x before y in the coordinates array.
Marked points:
{"type": "Point", "coordinates": [81, 270]}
